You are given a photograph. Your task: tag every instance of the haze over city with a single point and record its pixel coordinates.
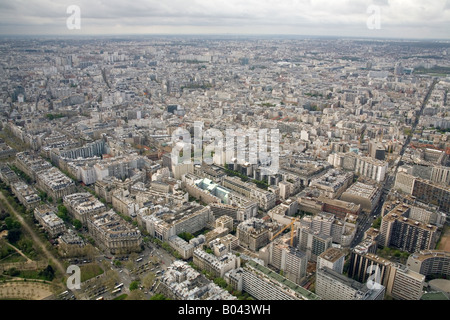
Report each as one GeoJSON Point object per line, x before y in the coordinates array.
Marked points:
{"type": "Point", "coordinates": [398, 18]}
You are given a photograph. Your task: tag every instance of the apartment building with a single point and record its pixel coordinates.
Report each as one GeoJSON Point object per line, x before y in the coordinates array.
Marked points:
{"type": "Point", "coordinates": [26, 194]}
{"type": "Point", "coordinates": [55, 183]}
{"type": "Point", "coordinates": [181, 282]}
{"type": "Point", "coordinates": [331, 285]}
{"type": "Point", "coordinates": [7, 175]}
{"type": "Point", "coordinates": [366, 266]}
{"type": "Point", "coordinates": [124, 203]}
{"type": "Point", "coordinates": [264, 284]}
{"type": "Point", "coordinates": [405, 284]}
{"type": "Point", "coordinates": [216, 265]}
{"type": "Point", "coordinates": [110, 231]}
{"type": "Point", "coordinates": [82, 205]}
{"type": "Point", "coordinates": [399, 231]}
{"type": "Point", "coordinates": [47, 218]}
{"type": "Point", "coordinates": [424, 190]}
{"type": "Point", "coordinates": [430, 262]}
{"type": "Point", "coordinates": [31, 164]}
{"type": "Point", "coordinates": [366, 166]}
{"type": "Point", "coordinates": [164, 224]}
{"type": "Point", "coordinates": [255, 233]}
{"type": "Point", "coordinates": [312, 243]}
{"type": "Point", "coordinates": [332, 258]}
{"type": "Point", "coordinates": [184, 248]}
{"type": "Point", "coordinates": [333, 183]}
{"type": "Point", "coordinates": [289, 260]}
{"type": "Point", "coordinates": [266, 199]}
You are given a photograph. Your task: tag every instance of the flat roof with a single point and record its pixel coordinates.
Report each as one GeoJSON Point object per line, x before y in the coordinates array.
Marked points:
{"type": "Point", "coordinates": [332, 254]}
{"type": "Point", "coordinates": [279, 278]}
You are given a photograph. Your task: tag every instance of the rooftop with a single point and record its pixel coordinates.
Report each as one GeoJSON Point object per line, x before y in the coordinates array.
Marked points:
{"type": "Point", "coordinates": [332, 254]}
{"type": "Point", "coordinates": [308, 295]}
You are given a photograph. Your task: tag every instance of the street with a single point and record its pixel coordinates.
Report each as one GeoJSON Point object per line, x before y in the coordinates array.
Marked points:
{"type": "Point", "coordinates": [151, 259]}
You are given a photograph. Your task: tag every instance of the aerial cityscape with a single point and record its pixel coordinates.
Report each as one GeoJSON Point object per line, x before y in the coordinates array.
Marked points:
{"type": "Point", "coordinates": [230, 167]}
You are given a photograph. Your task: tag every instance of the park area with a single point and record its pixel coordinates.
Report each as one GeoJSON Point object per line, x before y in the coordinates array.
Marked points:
{"type": "Point", "coordinates": [25, 290]}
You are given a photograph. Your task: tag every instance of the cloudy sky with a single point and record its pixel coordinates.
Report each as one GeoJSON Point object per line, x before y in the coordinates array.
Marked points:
{"type": "Point", "coordinates": [360, 18]}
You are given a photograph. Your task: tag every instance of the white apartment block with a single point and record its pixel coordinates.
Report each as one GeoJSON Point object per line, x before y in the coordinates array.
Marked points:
{"type": "Point", "coordinates": [331, 285]}
{"type": "Point", "coordinates": [218, 266]}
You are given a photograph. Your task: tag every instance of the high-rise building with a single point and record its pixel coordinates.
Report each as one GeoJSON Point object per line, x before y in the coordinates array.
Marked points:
{"type": "Point", "coordinates": [405, 284]}
{"type": "Point", "coordinates": [374, 169]}
{"type": "Point", "coordinates": [291, 261]}
{"type": "Point", "coordinates": [399, 231]}
{"type": "Point", "coordinates": [332, 258]}
{"type": "Point", "coordinates": [424, 190]}
{"type": "Point", "coordinates": [430, 262]}
{"type": "Point", "coordinates": [312, 243]}
{"type": "Point", "coordinates": [365, 266]}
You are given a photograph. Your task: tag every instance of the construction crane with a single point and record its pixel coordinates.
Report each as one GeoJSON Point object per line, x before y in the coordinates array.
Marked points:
{"type": "Point", "coordinates": [291, 224]}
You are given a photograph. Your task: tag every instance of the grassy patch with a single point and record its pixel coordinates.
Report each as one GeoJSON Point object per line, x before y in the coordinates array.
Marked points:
{"type": "Point", "coordinates": [89, 271]}
{"type": "Point", "coordinates": [12, 258]}
{"type": "Point", "coordinates": [121, 297]}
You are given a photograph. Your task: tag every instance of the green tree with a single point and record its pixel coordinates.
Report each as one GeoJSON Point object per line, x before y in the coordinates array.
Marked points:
{"type": "Point", "coordinates": [220, 282]}
{"type": "Point", "coordinates": [11, 223]}
{"type": "Point", "coordinates": [48, 273]}
{"type": "Point", "coordinates": [377, 223]}
{"type": "Point", "coordinates": [134, 285]}
{"type": "Point", "coordinates": [186, 236]}
{"type": "Point", "coordinates": [77, 224]}
{"type": "Point", "coordinates": [14, 235]}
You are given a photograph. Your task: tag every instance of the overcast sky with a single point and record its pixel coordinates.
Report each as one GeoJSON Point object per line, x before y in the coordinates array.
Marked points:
{"type": "Point", "coordinates": [397, 18]}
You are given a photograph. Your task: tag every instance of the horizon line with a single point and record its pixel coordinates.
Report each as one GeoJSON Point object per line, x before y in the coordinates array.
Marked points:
{"type": "Point", "coordinates": [285, 35]}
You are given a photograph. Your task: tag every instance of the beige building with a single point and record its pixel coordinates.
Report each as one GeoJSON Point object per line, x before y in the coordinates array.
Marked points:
{"type": "Point", "coordinates": [26, 194]}
{"type": "Point", "coordinates": [266, 199]}
{"type": "Point", "coordinates": [332, 258]}
{"type": "Point", "coordinates": [55, 183]}
{"type": "Point", "coordinates": [289, 260]}
{"type": "Point", "coordinates": [218, 266]}
{"type": "Point", "coordinates": [366, 195]}
{"type": "Point", "coordinates": [224, 222]}
{"type": "Point", "coordinates": [254, 233]}
{"type": "Point", "coordinates": [405, 284]}
{"type": "Point", "coordinates": [331, 285]}
{"type": "Point", "coordinates": [113, 233]}
{"type": "Point", "coordinates": [189, 219]}
{"type": "Point", "coordinates": [82, 205]}
{"type": "Point", "coordinates": [430, 262]}
{"type": "Point", "coordinates": [48, 219]}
